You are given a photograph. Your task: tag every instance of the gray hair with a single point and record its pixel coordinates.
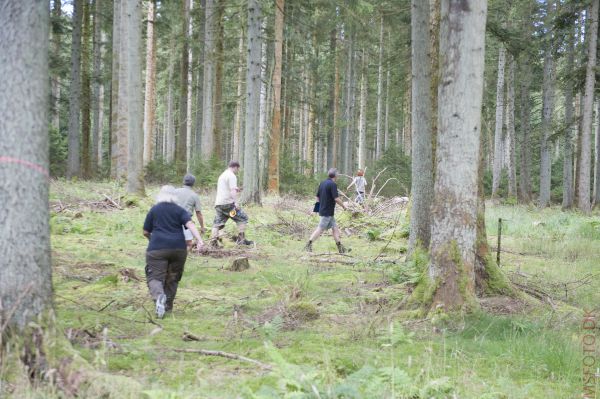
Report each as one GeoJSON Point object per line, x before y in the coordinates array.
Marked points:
{"type": "Point", "coordinates": [166, 194]}
{"type": "Point", "coordinates": [333, 172]}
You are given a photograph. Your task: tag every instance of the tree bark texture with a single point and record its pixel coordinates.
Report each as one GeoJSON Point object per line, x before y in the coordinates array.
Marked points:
{"type": "Point", "coordinates": [25, 268]}
{"type": "Point", "coordinates": [547, 112]}
{"type": "Point", "coordinates": [207, 146]}
{"type": "Point", "coordinates": [251, 191]}
{"type": "Point", "coordinates": [275, 143]}
{"type": "Point", "coordinates": [422, 162]}
{"type": "Point", "coordinates": [150, 94]}
{"type": "Point", "coordinates": [583, 190]}
{"type": "Point", "coordinates": [498, 134]}
{"type": "Point", "coordinates": [73, 157]}
{"type": "Point", "coordinates": [454, 215]}
{"type": "Point", "coordinates": [568, 194]}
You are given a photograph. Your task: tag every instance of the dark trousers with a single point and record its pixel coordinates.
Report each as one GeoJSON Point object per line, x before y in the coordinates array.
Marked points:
{"type": "Point", "coordinates": [164, 268]}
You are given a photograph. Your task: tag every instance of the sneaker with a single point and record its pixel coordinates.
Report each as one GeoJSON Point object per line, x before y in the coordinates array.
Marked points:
{"type": "Point", "coordinates": [308, 247]}
{"type": "Point", "coordinates": [342, 249]}
{"type": "Point", "coordinates": [160, 305]}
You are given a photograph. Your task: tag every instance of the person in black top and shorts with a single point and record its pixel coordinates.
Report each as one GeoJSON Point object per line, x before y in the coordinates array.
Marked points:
{"type": "Point", "coordinates": [167, 250]}
{"type": "Point", "coordinates": [327, 197]}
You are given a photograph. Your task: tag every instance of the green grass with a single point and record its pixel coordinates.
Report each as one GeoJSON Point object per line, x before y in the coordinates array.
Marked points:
{"type": "Point", "coordinates": [358, 347]}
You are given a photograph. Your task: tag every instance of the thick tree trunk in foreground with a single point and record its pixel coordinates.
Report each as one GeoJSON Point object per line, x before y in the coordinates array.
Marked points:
{"type": "Point", "coordinates": [73, 161]}
{"type": "Point", "coordinates": [498, 135]}
{"type": "Point", "coordinates": [547, 111]}
{"type": "Point", "coordinates": [454, 215]}
{"type": "Point", "coordinates": [568, 194]}
{"type": "Point", "coordinates": [275, 143]}
{"type": "Point", "coordinates": [583, 190]}
{"type": "Point", "coordinates": [132, 23]}
{"type": "Point", "coordinates": [25, 272]}
{"type": "Point", "coordinates": [251, 191]}
{"type": "Point", "coordinates": [150, 95]}
{"type": "Point", "coordinates": [422, 162]}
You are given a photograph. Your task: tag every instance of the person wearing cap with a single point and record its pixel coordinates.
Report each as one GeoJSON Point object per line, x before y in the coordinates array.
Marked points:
{"type": "Point", "coordinates": [166, 252]}
{"type": "Point", "coordinates": [327, 197]}
{"type": "Point", "coordinates": [360, 183]}
{"type": "Point", "coordinates": [227, 206]}
{"type": "Point", "coordinates": [190, 201]}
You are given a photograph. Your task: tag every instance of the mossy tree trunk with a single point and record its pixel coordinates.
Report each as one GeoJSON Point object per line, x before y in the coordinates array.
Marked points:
{"type": "Point", "coordinates": [454, 212]}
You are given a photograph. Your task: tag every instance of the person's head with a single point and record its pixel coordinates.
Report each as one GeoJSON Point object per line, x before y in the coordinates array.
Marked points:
{"type": "Point", "coordinates": [234, 166]}
{"type": "Point", "coordinates": [189, 180]}
{"type": "Point", "coordinates": [332, 173]}
{"type": "Point", "coordinates": [360, 172]}
{"type": "Point", "coordinates": [166, 194]}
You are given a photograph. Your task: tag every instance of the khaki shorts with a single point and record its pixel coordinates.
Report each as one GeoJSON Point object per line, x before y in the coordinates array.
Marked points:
{"type": "Point", "coordinates": [327, 222]}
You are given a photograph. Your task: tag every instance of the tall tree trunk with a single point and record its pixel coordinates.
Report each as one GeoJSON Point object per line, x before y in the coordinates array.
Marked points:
{"type": "Point", "coordinates": [181, 135]}
{"type": "Point", "coordinates": [333, 135]}
{"type": "Point", "coordinates": [597, 163]}
{"type": "Point", "coordinates": [237, 120]}
{"type": "Point", "coordinates": [275, 143]}
{"type": "Point", "coordinates": [170, 128]}
{"type": "Point", "coordinates": [386, 129]}
{"type": "Point", "coordinates": [378, 129]}
{"type": "Point", "coordinates": [132, 24]}
{"type": "Point", "coordinates": [547, 111]}
{"type": "Point", "coordinates": [115, 166]}
{"type": "Point", "coordinates": [25, 271]}
{"type": "Point", "coordinates": [199, 80]}
{"type": "Point", "coordinates": [262, 114]}
{"type": "Point", "coordinates": [56, 33]}
{"type": "Point", "coordinates": [568, 195]}
{"type": "Point", "coordinates": [207, 148]}
{"type": "Point", "coordinates": [73, 157]}
{"type": "Point", "coordinates": [509, 145]}
{"type": "Point", "coordinates": [217, 125]}
{"type": "Point", "coordinates": [251, 191]}
{"type": "Point", "coordinates": [97, 89]}
{"type": "Point", "coordinates": [150, 95]}
{"type": "Point", "coordinates": [434, 50]}
{"type": "Point", "coordinates": [348, 130]}
{"type": "Point", "coordinates": [310, 122]}
{"type": "Point", "coordinates": [188, 120]}
{"type": "Point", "coordinates": [498, 135]}
{"type": "Point", "coordinates": [362, 118]}
{"type": "Point", "coordinates": [422, 162]}
{"type": "Point", "coordinates": [85, 93]}
{"type": "Point", "coordinates": [454, 221]}
{"type": "Point", "coordinates": [583, 190]}
{"type": "Point", "coordinates": [525, 141]}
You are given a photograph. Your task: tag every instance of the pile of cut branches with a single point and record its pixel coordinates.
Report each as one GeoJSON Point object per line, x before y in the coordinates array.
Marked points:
{"type": "Point", "coordinates": [105, 204]}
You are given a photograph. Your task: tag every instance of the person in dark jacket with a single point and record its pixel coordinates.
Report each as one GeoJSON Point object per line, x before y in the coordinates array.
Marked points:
{"type": "Point", "coordinates": [327, 197]}
{"type": "Point", "coordinates": [167, 250]}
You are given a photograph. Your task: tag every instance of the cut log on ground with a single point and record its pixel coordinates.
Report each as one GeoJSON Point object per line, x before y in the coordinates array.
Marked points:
{"type": "Point", "coordinates": [239, 264]}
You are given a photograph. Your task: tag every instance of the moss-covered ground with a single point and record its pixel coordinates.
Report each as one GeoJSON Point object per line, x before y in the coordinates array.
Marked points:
{"type": "Point", "coordinates": [329, 325]}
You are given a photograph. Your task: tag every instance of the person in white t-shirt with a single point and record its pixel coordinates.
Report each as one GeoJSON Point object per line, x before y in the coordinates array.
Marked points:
{"type": "Point", "coordinates": [360, 184]}
{"type": "Point", "coordinates": [227, 207]}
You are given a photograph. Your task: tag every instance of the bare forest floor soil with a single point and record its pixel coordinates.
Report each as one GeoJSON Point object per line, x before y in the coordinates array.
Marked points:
{"type": "Point", "coordinates": [324, 325]}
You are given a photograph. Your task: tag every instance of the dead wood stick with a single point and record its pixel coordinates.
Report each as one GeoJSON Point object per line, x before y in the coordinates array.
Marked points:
{"type": "Point", "coordinates": [227, 355]}
{"type": "Point", "coordinates": [112, 201]}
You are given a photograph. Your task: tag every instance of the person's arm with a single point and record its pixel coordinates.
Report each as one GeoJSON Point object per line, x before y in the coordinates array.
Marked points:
{"type": "Point", "coordinates": [339, 201]}
{"type": "Point", "coordinates": [147, 230]}
{"type": "Point", "coordinates": [201, 221]}
{"type": "Point", "coordinates": [192, 227]}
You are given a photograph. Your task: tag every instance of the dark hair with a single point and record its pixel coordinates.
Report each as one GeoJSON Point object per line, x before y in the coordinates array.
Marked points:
{"type": "Point", "coordinates": [332, 173]}
{"type": "Point", "coordinates": [234, 164]}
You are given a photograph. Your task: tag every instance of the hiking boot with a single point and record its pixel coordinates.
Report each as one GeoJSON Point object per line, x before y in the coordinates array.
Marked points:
{"type": "Point", "coordinates": [161, 306]}
{"type": "Point", "coordinates": [243, 241]}
{"type": "Point", "coordinates": [308, 247]}
{"type": "Point", "coordinates": [342, 249]}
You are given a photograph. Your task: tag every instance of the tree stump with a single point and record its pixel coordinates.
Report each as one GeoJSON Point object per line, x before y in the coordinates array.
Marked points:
{"type": "Point", "coordinates": [239, 264]}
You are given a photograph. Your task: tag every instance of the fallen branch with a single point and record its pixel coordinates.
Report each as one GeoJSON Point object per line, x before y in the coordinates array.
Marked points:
{"type": "Point", "coordinates": [112, 202]}
{"type": "Point", "coordinates": [227, 355]}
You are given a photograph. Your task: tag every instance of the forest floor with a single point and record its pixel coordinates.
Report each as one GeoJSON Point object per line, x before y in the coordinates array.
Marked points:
{"type": "Point", "coordinates": [327, 325]}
